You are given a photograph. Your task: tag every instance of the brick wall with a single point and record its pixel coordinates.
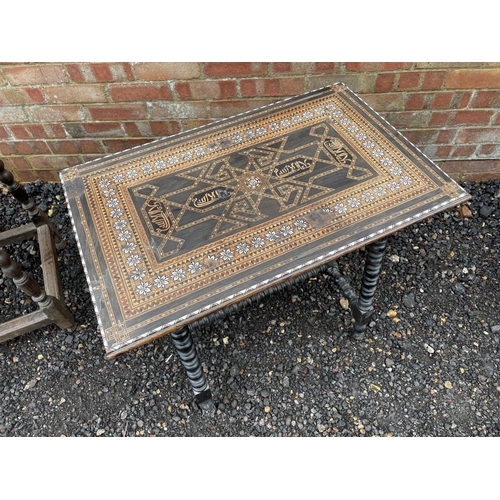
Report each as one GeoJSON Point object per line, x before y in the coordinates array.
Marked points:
{"type": "Point", "coordinates": [54, 115]}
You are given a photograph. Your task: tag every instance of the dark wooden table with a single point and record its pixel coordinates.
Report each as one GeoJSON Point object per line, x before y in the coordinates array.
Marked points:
{"type": "Point", "coordinates": [172, 231]}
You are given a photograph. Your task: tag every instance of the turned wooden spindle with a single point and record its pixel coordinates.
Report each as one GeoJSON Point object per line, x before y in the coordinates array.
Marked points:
{"type": "Point", "coordinates": [38, 217]}
{"type": "Point", "coordinates": [22, 279]}
{"type": "Point", "coordinates": [54, 308]}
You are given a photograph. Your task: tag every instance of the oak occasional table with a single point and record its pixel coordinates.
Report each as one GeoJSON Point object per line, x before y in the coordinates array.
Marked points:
{"type": "Point", "coordinates": [183, 228]}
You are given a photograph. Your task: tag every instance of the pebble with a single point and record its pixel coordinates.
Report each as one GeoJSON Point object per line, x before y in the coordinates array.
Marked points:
{"type": "Point", "coordinates": [486, 211]}
{"type": "Point", "coordinates": [409, 300]}
{"type": "Point", "coordinates": [495, 329]}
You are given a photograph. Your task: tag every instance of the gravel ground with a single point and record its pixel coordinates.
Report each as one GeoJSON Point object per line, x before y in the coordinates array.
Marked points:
{"type": "Point", "coordinates": [287, 367]}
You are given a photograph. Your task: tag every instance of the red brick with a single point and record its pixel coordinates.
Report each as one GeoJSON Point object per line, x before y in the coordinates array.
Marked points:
{"type": "Point", "coordinates": [462, 99]}
{"type": "Point", "coordinates": [88, 146]}
{"type": "Point", "coordinates": [443, 151]}
{"type": "Point", "coordinates": [486, 99]}
{"type": "Point", "coordinates": [174, 127]}
{"type": "Point", "coordinates": [37, 131]}
{"type": "Point", "coordinates": [421, 137]}
{"type": "Point", "coordinates": [442, 100]}
{"type": "Point", "coordinates": [24, 176]}
{"type": "Point", "coordinates": [409, 81]}
{"type": "Point", "coordinates": [223, 109]}
{"type": "Point", "coordinates": [102, 72]}
{"type": "Point", "coordinates": [385, 82]}
{"type": "Point", "coordinates": [3, 133]}
{"type": "Point", "coordinates": [438, 119]}
{"type": "Point", "coordinates": [117, 145]}
{"type": "Point", "coordinates": [160, 128]}
{"type": "Point", "coordinates": [132, 130]}
{"type": "Point", "coordinates": [446, 136]}
{"type": "Point", "coordinates": [415, 101]}
{"type": "Point", "coordinates": [221, 89]}
{"type": "Point", "coordinates": [272, 87]}
{"type": "Point", "coordinates": [48, 175]}
{"type": "Point", "coordinates": [7, 148]}
{"type": "Point", "coordinates": [99, 72]}
{"type": "Point", "coordinates": [191, 124]}
{"type": "Point", "coordinates": [54, 162]}
{"type": "Point", "coordinates": [78, 74]}
{"type": "Point", "coordinates": [35, 74]}
{"type": "Point", "coordinates": [464, 150]}
{"type": "Point", "coordinates": [117, 112]}
{"type": "Point", "coordinates": [20, 95]}
{"type": "Point", "coordinates": [480, 177]}
{"type": "Point", "coordinates": [282, 67]}
{"type": "Point", "coordinates": [324, 67]}
{"type": "Point", "coordinates": [64, 147]}
{"type": "Point", "coordinates": [17, 163]}
{"type": "Point", "coordinates": [471, 117]}
{"type": "Point", "coordinates": [473, 79]}
{"type": "Point", "coordinates": [167, 71]}
{"type": "Point", "coordinates": [75, 93]}
{"type": "Point", "coordinates": [32, 147]}
{"type": "Point", "coordinates": [489, 150]}
{"type": "Point", "coordinates": [139, 92]}
{"type": "Point", "coordinates": [478, 135]}
{"type": "Point", "coordinates": [234, 69]}
{"type": "Point", "coordinates": [376, 66]}
{"type": "Point", "coordinates": [433, 80]}
{"type": "Point", "coordinates": [472, 166]}
{"type": "Point", "coordinates": [57, 113]}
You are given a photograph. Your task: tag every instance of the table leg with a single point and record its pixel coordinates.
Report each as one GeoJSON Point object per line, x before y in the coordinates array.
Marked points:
{"type": "Point", "coordinates": [362, 309]}
{"type": "Point", "coordinates": [183, 343]}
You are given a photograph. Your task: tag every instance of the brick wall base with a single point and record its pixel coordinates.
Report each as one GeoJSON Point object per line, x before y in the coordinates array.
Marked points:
{"type": "Point", "coordinates": [56, 115]}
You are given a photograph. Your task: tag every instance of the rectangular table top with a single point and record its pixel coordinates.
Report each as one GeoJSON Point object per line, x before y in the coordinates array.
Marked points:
{"type": "Point", "coordinates": [180, 227]}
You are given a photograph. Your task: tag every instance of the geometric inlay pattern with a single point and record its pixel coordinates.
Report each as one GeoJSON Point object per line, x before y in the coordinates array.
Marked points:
{"type": "Point", "coordinates": [175, 229]}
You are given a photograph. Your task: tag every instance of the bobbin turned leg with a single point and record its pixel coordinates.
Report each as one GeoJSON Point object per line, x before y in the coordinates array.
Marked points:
{"type": "Point", "coordinates": [361, 307]}
{"type": "Point", "coordinates": [183, 343]}
{"type": "Point", "coordinates": [362, 310]}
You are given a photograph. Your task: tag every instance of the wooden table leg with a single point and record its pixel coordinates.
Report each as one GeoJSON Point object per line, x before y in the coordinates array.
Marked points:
{"type": "Point", "coordinates": [362, 309]}
{"type": "Point", "coordinates": [183, 343]}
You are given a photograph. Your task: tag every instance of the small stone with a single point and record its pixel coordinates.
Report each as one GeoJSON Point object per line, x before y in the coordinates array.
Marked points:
{"type": "Point", "coordinates": [40, 356]}
{"type": "Point", "coordinates": [394, 258]}
{"type": "Point", "coordinates": [391, 313]}
{"type": "Point", "coordinates": [267, 409]}
{"type": "Point", "coordinates": [344, 303]}
{"type": "Point", "coordinates": [409, 300]}
{"type": "Point", "coordinates": [429, 349]}
{"type": "Point", "coordinates": [495, 329]}
{"type": "Point", "coordinates": [321, 427]}
{"type": "Point", "coordinates": [389, 362]}
{"type": "Point", "coordinates": [486, 211]}
{"type": "Point", "coordinates": [448, 385]}
{"type": "Point", "coordinates": [31, 384]}
{"type": "Point", "coordinates": [100, 432]}
{"type": "Point", "coordinates": [286, 381]}
{"type": "Point", "coordinates": [458, 288]}
{"type": "Point", "coordinates": [465, 212]}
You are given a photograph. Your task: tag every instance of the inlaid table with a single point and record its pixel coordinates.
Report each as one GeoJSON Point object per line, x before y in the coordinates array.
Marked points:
{"type": "Point", "coordinates": [181, 228]}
